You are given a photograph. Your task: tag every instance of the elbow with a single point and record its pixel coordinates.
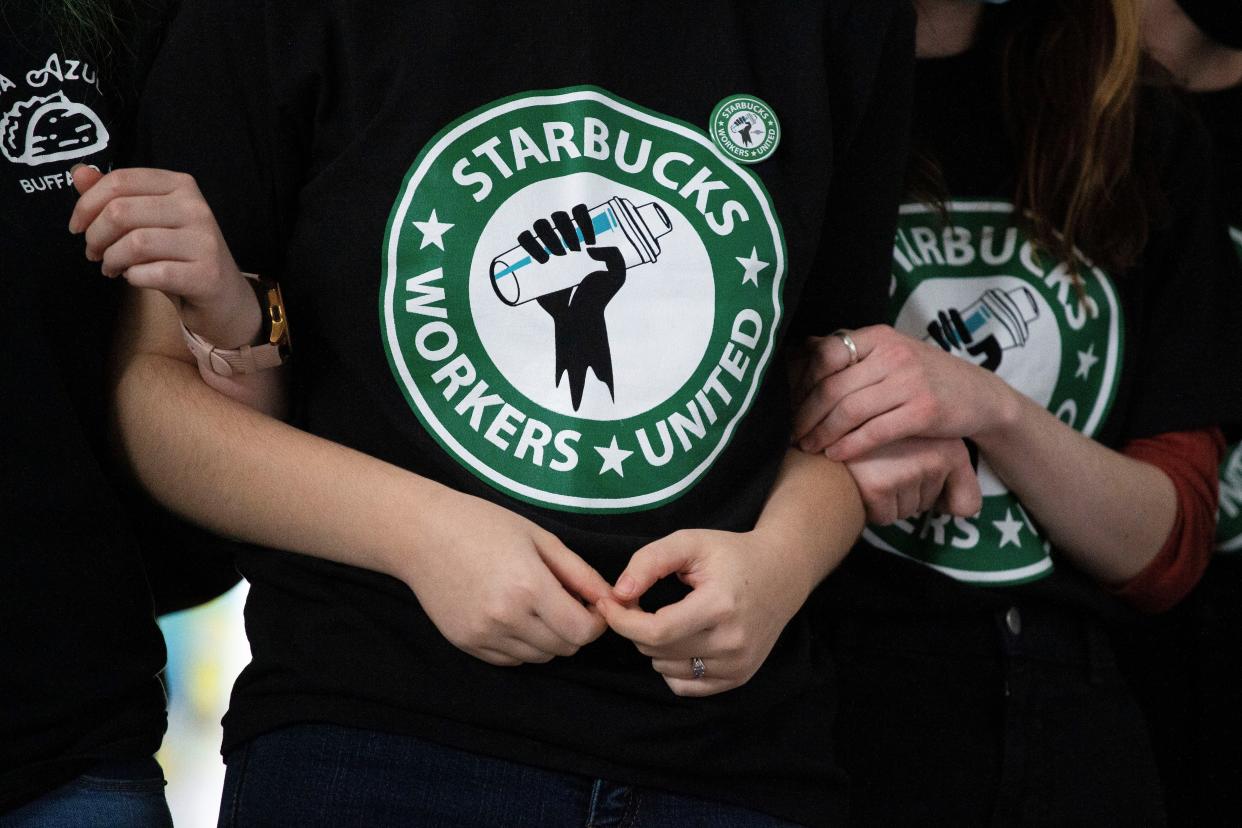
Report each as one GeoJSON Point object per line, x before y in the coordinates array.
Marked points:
{"type": "Point", "coordinates": [1175, 570]}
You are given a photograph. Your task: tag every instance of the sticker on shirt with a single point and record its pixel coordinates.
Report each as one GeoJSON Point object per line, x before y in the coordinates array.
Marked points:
{"type": "Point", "coordinates": [580, 298]}
{"type": "Point", "coordinates": [978, 288]}
{"type": "Point", "coordinates": [746, 128]}
{"type": "Point", "coordinates": [1229, 518]}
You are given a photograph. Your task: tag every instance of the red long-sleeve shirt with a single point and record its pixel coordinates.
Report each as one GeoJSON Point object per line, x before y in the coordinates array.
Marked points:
{"type": "Point", "coordinates": [1190, 459]}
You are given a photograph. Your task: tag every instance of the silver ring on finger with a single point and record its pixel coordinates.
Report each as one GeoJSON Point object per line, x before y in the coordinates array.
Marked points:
{"type": "Point", "coordinates": [697, 668]}
{"type": "Point", "coordinates": [844, 336]}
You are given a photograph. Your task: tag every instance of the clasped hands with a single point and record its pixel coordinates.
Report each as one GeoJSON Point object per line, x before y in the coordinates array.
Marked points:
{"type": "Point", "coordinates": [895, 410]}
{"type": "Point", "coordinates": [509, 592]}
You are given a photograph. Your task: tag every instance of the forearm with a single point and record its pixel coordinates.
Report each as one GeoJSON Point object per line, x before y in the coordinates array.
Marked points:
{"type": "Point", "coordinates": [1109, 513]}
{"type": "Point", "coordinates": [263, 391]}
{"type": "Point", "coordinates": [246, 475]}
{"type": "Point", "coordinates": [813, 514]}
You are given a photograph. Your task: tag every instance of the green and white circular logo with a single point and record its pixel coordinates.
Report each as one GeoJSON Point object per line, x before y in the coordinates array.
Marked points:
{"type": "Point", "coordinates": [746, 128]}
{"type": "Point", "coordinates": [580, 298]}
{"type": "Point", "coordinates": [977, 287]}
{"type": "Point", "coordinates": [1229, 518]}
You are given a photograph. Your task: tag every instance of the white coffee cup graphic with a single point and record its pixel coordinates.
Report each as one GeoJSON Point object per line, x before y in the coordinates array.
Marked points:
{"type": "Point", "coordinates": [635, 231]}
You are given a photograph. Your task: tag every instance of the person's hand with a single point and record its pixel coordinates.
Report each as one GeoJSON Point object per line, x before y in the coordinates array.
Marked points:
{"type": "Point", "coordinates": [910, 476]}
{"type": "Point", "coordinates": [900, 387]}
{"type": "Point", "coordinates": [741, 598]}
{"type": "Point", "coordinates": [504, 590]}
{"type": "Point", "coordinates": [154, 228]}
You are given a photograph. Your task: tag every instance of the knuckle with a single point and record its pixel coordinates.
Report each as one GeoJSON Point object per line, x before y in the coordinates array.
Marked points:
{"type": "Point", "coordinates": [848, 408]}
{"type": "Point", "coordinates": [140, 241]}
{"type": "Point", "coordinates": [882, 489]}
{"type": "Point", "coordinates": [495, 613]}
{"type": "Point", "coordinates": [925, 411]}
{"type": "Point", "coordinates": [733, 642]}
{"type": "Point", "coordinates": [820, 397]}
{"type": "Point", "coordinates": [116, 211]}
{"type": "Point", "coordinates": [198, 211]}
{"type": "Point", "coordinates": [158, 273]}
{"type": "Point", "coordinates": [581, 636]}
{"type": "Point", "coordinates": [472, 634]}
{"type": "Point", "coordinates": [209, 243]}
{"type": "Point", "coordinates": [872, 502]}
{"type": "Point", "coordinates": [681, 535]}
{"type": "Point", "coordinates": [903, 355]}
{"type": "Point", "coordinates": [821, 355]}
{"type": "Point", "coordinates": [724, 610]}
{"type": "Point", "coordinates": [659, 637]}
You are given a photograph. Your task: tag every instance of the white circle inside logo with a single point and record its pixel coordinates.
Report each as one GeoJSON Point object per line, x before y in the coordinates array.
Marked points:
{"type": "Point", "coordinates": [659, 323]}
{"type": "Point", "coordinates": [1008, 322]}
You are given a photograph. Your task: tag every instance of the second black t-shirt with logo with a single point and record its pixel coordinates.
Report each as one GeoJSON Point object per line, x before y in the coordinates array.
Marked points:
{"type": "Point", "coordinates": [1123, 360]}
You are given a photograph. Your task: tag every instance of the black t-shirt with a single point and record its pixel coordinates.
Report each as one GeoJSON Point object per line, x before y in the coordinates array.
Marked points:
{"type": "Point", "coordinates": [79, 648]}
{"type": "Point", "coordinates": [1222, 113]}
{"type": "Point", "coordinates": [1153, 349]}
{"type": "Point", "coordinates": [383, 160]}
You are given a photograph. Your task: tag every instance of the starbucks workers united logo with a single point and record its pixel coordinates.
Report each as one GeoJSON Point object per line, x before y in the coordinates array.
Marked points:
{"type": "Point", "coordinates": [580, 298]}
{"type": "Point", "coordinates": [978, 287]}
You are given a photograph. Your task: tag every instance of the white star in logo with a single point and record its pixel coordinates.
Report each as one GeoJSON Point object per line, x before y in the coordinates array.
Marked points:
{"type": "Point", "coordinates": [1086, 361]}
{"type": "Point", "coordinates": [433, 231]}
{"type": "Point", "coordinates": [1010, 529]}
{"type": "Point", "coordinates": [753, 265]}
{"type": "Point", "coordinates": [613, 457]}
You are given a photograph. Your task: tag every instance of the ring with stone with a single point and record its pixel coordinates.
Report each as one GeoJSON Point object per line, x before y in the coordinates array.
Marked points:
{"type": "Point", "coordinates": [697, 668]}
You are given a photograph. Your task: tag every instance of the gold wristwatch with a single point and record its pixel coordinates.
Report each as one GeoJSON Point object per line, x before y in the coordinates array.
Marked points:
{"type": "Point", "coordinates": [248, 359]}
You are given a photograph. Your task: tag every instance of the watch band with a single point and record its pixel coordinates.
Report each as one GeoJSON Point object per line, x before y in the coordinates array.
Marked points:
{"type": "Point", "coordinates": [247, 359]}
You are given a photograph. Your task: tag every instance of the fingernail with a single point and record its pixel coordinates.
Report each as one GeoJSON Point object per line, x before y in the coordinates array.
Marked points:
{"type": "Point", "coordinates": [74, 168]}
{"type": "Point", "coordinates": [625, 586]}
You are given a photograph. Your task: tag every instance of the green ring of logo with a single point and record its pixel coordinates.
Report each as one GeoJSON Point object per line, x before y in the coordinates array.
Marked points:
{"type": "Point", "coordinates": [428, 321]}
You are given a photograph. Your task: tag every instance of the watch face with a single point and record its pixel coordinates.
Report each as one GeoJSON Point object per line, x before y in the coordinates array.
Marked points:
{"type": "Point", "coordinates": [277, 326]}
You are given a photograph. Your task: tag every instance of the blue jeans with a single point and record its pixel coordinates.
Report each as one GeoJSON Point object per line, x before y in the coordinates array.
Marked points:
{"type": "Point", "coordinates": [109, 795]}
{"type": "Point", "coordinates": [326, 775]}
